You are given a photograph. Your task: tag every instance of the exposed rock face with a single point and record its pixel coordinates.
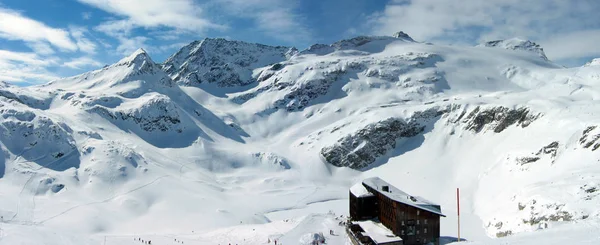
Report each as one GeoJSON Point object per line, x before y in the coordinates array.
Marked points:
{"type": "Point", "coordinates": [536, 214]}
{"type": "Point", "coordinates": [271, 159]}
{"type": "Point", "coordinates": [590, 191]}
{"type": "Point", "coordinates": [301, 94]}
{"type": "Point", "coordinates": [158, 113]}
{"type": "Point", "coordinates": [590, 138]}
{"type": "Point", "coordinates": [130, 77]}
{"type": "Point", "coordinates": [301, 89]}
{"type": "Point", "coordinates": [352, 43]}
{"type": "Point", "coordinates": [36, 137]}
{"type": "Point", "coordinates": [497, 118]}
{"type": "Point", "coordinates": [140, 63]}
{"type": "Point", "coordinates": [517, 44]}
{"type": "Point", "coordinates": [360, 149]}
{"type": "Point", "coordinates": [24, 99]}
{"type": "Point", "coordinates": [594, 62]}
{"type": "Point", "coordinates": [403, 35]}
{"type": "Point", "coordinates": [222, 62]}
{"type": "Point", "coordinates": [549, 151]}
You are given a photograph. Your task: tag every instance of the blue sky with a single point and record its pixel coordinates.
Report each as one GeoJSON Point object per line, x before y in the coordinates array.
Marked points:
{"type": "Point", "coordinates": [41, 40]}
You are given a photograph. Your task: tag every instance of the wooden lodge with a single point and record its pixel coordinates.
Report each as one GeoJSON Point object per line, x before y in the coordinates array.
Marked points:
{"type": "Point", "coordinates": [382, 214]}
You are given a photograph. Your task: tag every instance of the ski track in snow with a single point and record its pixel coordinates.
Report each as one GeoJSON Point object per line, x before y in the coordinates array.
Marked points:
{"type": "Point", "coordinates": [103, 201]}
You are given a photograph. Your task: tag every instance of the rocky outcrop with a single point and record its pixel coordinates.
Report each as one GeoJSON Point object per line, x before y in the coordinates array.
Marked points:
{"type": "Point", "coordinates": [590, 139]}
{"type": "Point", "coordinates": [517, 44]}
{"type": "Point", "coordinates": [534, 215]}
{"type": "Point", "coordinates": [222, 62]}
{"type": "Point", "coordinates": [593, 62]}
{"type": "Point", "coordinates": [301, 94]}
{"type": "Point", "coordinates": [402, 35]}
{"type": "Point", "coordinates": [156, 114]}
{"type": "Point", "coordinates": [302, 89]}
{"type": "Point", "coordinates": [549, 151]}
{"type": "Point", "coordinates": [362, 148]}
{"type": "Point", "coordinates": [36, 138]}
{"type": "Point", "coordinates": [497, 118]}
{"type": "Point", "coordinates": [353, 43]}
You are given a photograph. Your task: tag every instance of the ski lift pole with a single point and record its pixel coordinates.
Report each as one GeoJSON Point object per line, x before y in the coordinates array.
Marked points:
{"type": "Point", "coordinates": [458, 211]}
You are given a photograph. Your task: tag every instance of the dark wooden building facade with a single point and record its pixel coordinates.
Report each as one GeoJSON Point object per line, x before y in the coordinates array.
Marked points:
{"type": "Point", "coordinates": [414, 219]}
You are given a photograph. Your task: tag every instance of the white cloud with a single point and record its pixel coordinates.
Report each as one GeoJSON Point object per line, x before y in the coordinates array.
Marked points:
{"type": "Point", "coordinates": [173, 18]}
{"type": "Point", "coordinates": [116, 27]}
{"type": "Point", "coordinates": [469, 21]}
{"type": "Point", "coordinates": [25, 67]}
{"type": "Point", "coordinates": [572, 45]}
{"type": "Point", "coordinates": [41, 48]}
{"type": "Point", "coordinates": [14, 26]}
{"type": "Point", "coordinates": [128, 45]}
{"type": "Point", "coordinates": [86, 15]}
{"type": "Point", "coordinates": [83, 43]}
{"type": "Point", "coordinates": [275, 18]}
{"type": "Point", "coordinates": [168, 47]}
{"type": "Point", "coordinates": [26, 58]}
{"type": "Point", "coordinates": [179, 14]}
{"type": "Point", "coordinates": [82, 62]}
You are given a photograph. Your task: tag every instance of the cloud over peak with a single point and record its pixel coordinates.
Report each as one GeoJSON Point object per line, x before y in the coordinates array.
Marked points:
{"type": "Point", "coordinates": [14, 26]}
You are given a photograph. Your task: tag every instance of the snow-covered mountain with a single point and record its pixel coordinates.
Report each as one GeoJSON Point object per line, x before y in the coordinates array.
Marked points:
{"type": "Point", "coordinates": [517, 44]}
{"type": "Point", "coordinates": [222, 62]}
{"type": "Point", "coordinates": [233, 142]}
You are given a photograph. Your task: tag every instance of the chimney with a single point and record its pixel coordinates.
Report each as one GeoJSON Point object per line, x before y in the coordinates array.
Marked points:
{"type": "Point", "coordinates": [385, 188]}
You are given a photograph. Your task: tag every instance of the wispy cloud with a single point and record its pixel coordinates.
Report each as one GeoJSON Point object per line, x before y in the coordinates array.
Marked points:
{"type": "Point", "coordinates": [275, 18]}
{"type": "Point", "coordinates": [178, 14]}
{"type": "Point", "coordinates": [573, 45]}
{"type": "Point", "coordinates": [22, 57]}
{"type": "Point", "coordinates": [128, 45]}
{"type": "Point", "coordinates": [42, 48]}
{"type": "Point", "coordinates": [24, 67]}
{"type": "Point", "coordinates": [169, 20]}
{"type": "Point", "coordinates": [14, 26]}
{"type": "Point", "coordinates": [544, 21]}
{"type": "Point", "coordinates": [82, 62]}
{"type": "Point", "coordinates": [83, 43]}
{"type": "Point", "coordinates": [86, 15]}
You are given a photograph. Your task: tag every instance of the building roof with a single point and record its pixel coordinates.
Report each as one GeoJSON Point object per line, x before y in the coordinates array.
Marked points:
{"type": "Point", "coordinates": [397, 195]}
{"type": "Point", "coordinates": [359, 190]}
{"type": "Point", "coordinates": [378, 232]}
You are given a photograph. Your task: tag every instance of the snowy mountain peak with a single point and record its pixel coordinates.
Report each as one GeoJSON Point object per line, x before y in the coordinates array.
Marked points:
{"type": "Point", "coordinates": [516, 44]}
{"type": "Point", "coordinates": [139, 57]}
{"type": "Point", "coordinates": [403, 35]}
{"type": "Point", "coordinates": [594, 62]}
{"type": "Point", "coordinates": [361, 43]}
{"type": "Point", "coordinates": [135, 70]}
{"type": "Point", "coordinates": [222, 62]}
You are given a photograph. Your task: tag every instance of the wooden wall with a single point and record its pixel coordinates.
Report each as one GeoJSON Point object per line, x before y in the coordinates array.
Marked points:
{"type": "Point", "coordinates": [363, 208]}
{"type": "Point", "coordinates": [413, 225]}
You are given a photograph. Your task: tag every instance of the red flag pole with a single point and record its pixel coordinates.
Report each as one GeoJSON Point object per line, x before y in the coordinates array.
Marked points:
{"type": "Point", "coordinates": [458, 211]}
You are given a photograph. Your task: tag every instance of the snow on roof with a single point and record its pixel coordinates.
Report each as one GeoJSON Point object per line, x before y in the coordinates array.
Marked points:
{"type": "Point", "coordinates": [397, 195]}
{"type": "Point", "coordinates": [359, 190]}
{"type": "Point", "coordinates": [378, 232]}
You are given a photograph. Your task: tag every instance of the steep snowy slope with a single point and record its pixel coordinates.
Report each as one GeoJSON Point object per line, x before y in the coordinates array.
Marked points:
{"type": "Point", "coordinates": [235, 142]}
{"type": "Point", "coordinates": [222, 62]}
